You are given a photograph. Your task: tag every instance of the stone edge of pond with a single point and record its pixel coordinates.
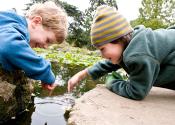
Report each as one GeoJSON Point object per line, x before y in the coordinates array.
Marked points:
{"type": "Point", "coordinates": [99, 106]}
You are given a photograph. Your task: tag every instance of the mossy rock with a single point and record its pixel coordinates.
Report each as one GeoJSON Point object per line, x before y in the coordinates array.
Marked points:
{"type": "Point", "coordinates": [15, 94]}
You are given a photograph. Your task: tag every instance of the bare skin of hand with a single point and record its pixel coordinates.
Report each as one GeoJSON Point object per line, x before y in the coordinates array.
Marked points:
{"type": "Point", "coordinates": [74, 81]}
{"type": "Point", "coordinates": [48, 87]}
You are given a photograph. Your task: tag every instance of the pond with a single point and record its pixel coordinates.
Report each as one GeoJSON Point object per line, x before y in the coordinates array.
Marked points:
{"type": "Point", "coordinates": [49, 107]}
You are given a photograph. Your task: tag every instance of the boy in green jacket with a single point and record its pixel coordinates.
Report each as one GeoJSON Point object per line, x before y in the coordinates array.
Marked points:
{"type": "Point", "coordinates": [147, 55]}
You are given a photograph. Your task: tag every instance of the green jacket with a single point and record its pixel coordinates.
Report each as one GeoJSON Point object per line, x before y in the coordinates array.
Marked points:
{"type": "Point", "coordinates": [149, 59]}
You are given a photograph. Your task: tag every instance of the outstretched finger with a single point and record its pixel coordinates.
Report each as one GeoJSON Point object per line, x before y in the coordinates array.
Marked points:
{"type": "Point", "coordinates": [69, 87]}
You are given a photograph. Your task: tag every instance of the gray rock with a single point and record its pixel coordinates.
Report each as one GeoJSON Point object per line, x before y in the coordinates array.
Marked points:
{"type": "Point", "coordinates": [15, 94]}
{"type": "Point", "coordinates": [102, 107]}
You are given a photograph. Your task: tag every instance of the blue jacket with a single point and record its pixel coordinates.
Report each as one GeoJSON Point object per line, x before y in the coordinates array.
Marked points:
{"type": "Point", "coordinates": [15, 51]}
{"type": "Point", "coordinates": [149, 59]}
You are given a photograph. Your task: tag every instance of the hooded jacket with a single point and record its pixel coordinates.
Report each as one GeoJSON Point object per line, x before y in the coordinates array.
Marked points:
{"type": "Point", "coordinates": [15, 51]}
{"type": "Point", "coordinates": [149, 59]}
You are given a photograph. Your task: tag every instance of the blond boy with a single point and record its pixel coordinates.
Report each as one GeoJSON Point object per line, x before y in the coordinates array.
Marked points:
{"type": "Point", "coordinates": [43, 25]}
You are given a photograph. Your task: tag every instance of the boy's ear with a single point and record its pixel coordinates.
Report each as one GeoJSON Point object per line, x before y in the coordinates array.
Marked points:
{"type": "Point", "coordinates": [37, 20]}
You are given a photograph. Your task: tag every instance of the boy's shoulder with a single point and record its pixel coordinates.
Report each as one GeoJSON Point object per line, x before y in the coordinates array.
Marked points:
{"type": "Point", "coordinates": [11, 21]}
{"type": "Point", "coordinates": [12, 25]}
{"type": "Point", "coordinates": [138, 30]}
{"type": "Point", "coordinates": [10, 16]}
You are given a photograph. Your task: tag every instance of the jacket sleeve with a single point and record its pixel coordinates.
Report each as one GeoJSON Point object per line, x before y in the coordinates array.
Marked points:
{"type": "Point", "coordinates": [101, 68]}
{"type": "Point", "coordinates": [143, 74]}
{"type": "Point", "coordinates": [17, 54]}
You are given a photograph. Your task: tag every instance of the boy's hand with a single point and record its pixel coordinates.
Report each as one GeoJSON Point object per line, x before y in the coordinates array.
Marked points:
{"type": "Point", "coordinates": [48, 86]}
{"type": "Point", "coordinates": [76, 79]}
{"type": "Point", "coordinates": [73, 82]}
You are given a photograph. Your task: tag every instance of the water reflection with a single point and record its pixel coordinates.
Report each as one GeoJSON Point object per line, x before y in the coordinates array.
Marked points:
{"type": "Point", "coordinates": [50, 110]}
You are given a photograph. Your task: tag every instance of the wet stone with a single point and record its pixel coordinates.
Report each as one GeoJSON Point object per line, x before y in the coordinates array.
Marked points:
{"type": "Point", "coordinates": [15, 94]}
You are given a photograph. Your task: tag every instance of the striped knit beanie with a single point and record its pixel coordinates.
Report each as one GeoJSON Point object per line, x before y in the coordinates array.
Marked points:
{"type": "Point", "coordinates": [108, 25]}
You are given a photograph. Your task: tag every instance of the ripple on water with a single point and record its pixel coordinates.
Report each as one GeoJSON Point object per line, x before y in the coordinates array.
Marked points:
{"type": "Point", "coordinates": [53, 106]}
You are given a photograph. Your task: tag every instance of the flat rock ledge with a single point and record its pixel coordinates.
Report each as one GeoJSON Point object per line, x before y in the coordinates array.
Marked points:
{"type": "Point", "coordinates": [102, 107]}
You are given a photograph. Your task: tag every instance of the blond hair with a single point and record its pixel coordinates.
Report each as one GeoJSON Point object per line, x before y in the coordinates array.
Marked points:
{"type": "Point", "coordinates": [54, 18]}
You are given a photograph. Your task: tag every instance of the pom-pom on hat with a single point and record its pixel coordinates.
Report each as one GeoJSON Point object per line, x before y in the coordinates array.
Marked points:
{"type": "Point", "coordinates": [108, 25]}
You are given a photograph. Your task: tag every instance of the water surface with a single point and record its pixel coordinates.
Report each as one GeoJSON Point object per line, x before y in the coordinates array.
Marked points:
{"type": "Point", "coordinates": [49, 107]}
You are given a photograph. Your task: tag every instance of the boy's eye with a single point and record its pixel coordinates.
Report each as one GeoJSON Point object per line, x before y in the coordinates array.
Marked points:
{"type": "Point", "coordinates": [48, 41]}
{"type": "Point", "coordinates": [102, 49]}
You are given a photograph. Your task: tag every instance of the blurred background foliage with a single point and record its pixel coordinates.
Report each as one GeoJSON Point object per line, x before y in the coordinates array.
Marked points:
{"type": "Point", "coordinates": [156, 14]}
{"type": "Point", "coordinates": [153, 13]}
{"type": "Point", "coordinates": [79, 21]}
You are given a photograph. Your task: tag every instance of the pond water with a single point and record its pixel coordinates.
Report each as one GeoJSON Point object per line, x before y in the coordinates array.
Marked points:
{"type": "Point", "coordinates": [50, 110]}
{"type": "Point", "coordinates": [49, 107]}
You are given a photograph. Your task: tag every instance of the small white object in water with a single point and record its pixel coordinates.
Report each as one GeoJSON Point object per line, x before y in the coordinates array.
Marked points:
{"type": "Point", "coordinates": [13, 117]}
{"type": "Point", "coordinates": [26, 110]}
{"type": "Point", "coordinates": [33, 94]}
